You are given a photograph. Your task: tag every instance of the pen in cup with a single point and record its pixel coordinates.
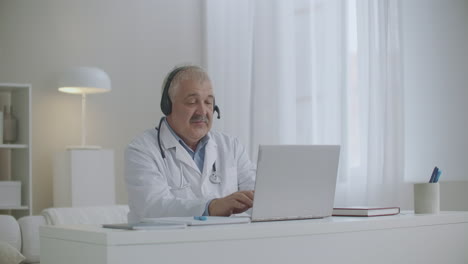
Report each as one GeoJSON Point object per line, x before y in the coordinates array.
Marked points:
{"type": "Point", "coordinates": [434, 175]}
{"type": "Point", "coordinates": [439, 172]}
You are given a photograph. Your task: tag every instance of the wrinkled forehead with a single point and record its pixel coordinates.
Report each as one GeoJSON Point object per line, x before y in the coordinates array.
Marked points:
{"type": "Point", "coordinates": [194, 88]}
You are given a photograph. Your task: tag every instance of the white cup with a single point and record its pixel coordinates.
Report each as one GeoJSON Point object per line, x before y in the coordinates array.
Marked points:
{"type": "Point", "coordinates": [426, 198]}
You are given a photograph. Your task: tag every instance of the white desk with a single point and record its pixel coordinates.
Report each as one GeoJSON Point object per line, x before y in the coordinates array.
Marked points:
{"type": "Point", "coordinates": [405, 238]}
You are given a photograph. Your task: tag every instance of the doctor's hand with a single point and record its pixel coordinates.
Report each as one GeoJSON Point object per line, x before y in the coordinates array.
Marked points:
{"type": "Point", "coordinates": [235, 203]}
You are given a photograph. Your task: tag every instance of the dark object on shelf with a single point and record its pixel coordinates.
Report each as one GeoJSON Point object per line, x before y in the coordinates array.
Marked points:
{"type": "Point", "coordinates": [10, 126]}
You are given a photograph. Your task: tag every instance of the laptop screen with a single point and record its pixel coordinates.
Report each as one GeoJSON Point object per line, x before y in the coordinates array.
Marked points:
{"type": "Point", "coordinates": [295, 181]}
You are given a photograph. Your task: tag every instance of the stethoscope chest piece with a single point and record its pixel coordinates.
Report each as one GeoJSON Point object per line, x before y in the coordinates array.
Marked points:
{"type": "Point", "coordinates": [214, 178]}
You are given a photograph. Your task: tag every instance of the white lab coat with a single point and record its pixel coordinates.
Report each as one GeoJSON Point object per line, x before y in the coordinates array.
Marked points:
{"type": "Point", "coordinates": [174, 186]}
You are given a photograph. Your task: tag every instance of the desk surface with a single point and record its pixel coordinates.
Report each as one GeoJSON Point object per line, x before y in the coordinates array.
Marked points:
{"type": "Point", "coordinates": [404, 238]}
{"type": "Point", "coordinates": [93, 234]}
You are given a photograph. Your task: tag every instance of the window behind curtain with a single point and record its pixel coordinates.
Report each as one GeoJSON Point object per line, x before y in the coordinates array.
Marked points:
{"type": "Point", "coordinates": [327, 92]}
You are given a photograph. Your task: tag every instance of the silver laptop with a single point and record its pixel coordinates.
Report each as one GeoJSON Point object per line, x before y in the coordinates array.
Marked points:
{"type": "Point", "coordinates": [295, 182]}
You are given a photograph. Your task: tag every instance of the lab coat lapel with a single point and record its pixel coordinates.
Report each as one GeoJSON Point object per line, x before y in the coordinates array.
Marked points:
{"type": "Point", "coordinates": [210, 158]}
{"type": "Point", "coordinates": [181, 154]}
{"type": "Point", "coordinates": [184, 157]}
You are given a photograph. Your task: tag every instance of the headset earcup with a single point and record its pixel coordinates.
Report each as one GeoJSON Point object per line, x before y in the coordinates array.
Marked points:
{"type": "Point", "coordinates": [169, 106]}
{"type": "Point", "coordinates": [166, 104]}
{"type": "Point", "coordinates": [166, 107]}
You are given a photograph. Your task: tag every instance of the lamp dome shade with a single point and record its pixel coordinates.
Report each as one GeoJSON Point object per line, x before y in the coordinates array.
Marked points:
{"type": "Point", "coordinates": [84, 80]}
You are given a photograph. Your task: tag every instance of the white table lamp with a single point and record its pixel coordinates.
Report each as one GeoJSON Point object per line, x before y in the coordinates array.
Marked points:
{"type": "Point", "coordinates": [84, 80]}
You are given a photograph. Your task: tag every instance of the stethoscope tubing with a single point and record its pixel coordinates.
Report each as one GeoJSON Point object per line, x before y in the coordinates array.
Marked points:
{"type": "Point", "coordinates": [214, 178]}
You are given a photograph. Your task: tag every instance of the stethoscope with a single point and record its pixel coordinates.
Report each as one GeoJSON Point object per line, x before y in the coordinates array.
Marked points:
{"type": "Point", "coordinates": [214, 178]}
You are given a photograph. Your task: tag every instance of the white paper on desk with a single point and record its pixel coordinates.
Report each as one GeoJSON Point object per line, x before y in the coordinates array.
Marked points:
{"type": "Point", "coordinates": [211, 220]}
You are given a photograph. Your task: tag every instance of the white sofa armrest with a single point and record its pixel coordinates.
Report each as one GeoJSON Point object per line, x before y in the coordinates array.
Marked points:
{"type": "Point", "coordinates": [30, 236]}
{"type": "Point", "coordinates": [10, 231]}
{"type": "Point", "coordinates": [24, 233]}
{"type": "Point", "coordinates": [86, 215]}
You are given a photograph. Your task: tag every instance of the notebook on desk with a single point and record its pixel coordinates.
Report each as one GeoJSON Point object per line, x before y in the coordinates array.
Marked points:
{"type": "Point", "coordinates": [295, 182]}
{"type": "Point", "coordinates": [209, 220]}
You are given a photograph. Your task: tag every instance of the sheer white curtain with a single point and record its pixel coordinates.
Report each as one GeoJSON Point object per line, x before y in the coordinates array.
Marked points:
{"type": "Point", "coordinates": [314, 72]}
{"type": "Point", "coordinates": [228, 49]}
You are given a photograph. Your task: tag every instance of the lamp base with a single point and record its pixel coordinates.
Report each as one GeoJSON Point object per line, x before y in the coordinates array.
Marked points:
{"type": "Point", "coordinates": [83, 147]}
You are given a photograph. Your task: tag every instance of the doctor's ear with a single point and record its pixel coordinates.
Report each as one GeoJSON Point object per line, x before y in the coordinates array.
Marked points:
{"type": "Point", "coordinates": [216, 109]}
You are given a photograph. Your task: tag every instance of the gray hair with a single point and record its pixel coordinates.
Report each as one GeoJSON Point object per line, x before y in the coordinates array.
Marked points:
{"type": "Point", "coordinates": [188, 72]}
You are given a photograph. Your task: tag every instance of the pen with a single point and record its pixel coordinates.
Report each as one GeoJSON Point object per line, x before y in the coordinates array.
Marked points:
{"type": "Point", "coordinates": [201, 218]}
{"type": "Point", "coordinates": [438, 176]}
{"type": "Point", "coordinates": [434, 174]}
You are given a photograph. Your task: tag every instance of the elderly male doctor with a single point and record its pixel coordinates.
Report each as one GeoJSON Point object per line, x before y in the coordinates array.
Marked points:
{"type": "Point", "coordinates": [181, 168]}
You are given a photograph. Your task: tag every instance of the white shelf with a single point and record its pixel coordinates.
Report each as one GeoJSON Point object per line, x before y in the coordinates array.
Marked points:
{"type": "Point", "coordinates": [15, 158]}
{"type": "Point", "coordinates": [13, 207]}
{"type": "Point", "coordinates": [9, 87]}
{"type": "Point", "coordinates": [13, 146]}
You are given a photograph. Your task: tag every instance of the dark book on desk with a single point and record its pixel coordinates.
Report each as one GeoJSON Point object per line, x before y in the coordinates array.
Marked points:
{"type": "Point", "coordinates": [365, 211]}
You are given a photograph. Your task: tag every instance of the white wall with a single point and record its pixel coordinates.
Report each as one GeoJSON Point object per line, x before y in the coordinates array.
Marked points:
{"type": "Point", "coordinates": [135, 42]}
{"type": "Point", "coordinates": [435, 35]}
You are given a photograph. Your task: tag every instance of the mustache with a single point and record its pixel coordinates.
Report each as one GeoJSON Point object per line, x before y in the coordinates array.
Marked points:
{"type": "Point", "coordinates": [199, 118]}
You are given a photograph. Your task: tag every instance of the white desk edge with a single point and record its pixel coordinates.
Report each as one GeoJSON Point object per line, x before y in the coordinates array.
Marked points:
{"type": "Point", "coordinates": [95, 234]}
